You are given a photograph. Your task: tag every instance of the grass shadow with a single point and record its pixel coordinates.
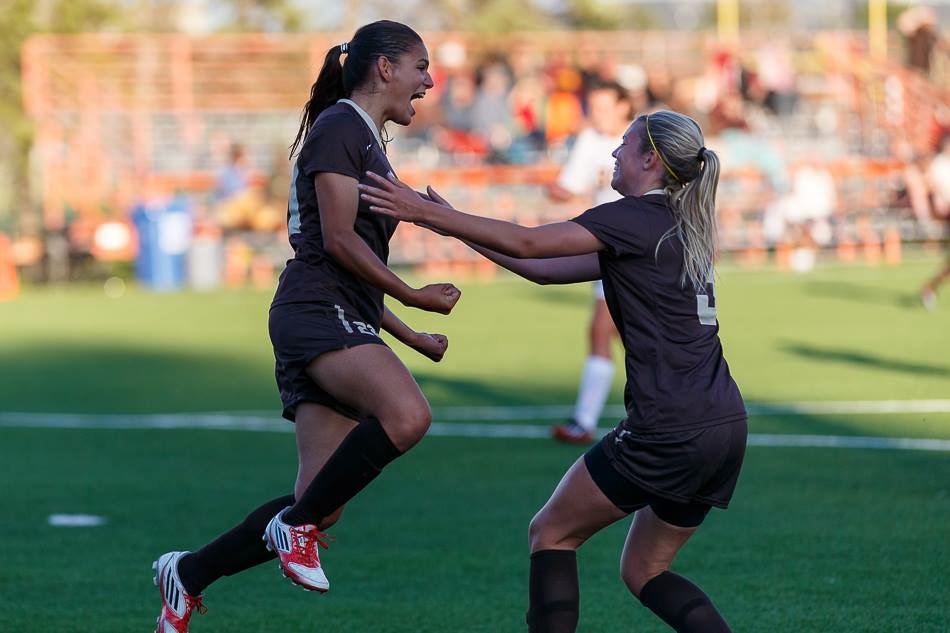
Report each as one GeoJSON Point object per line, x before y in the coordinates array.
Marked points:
{"type": "Point", "coordinates": [863, 359]}
{"type": "Point", "coordinates": [863, 293]}
{"type": "Point", "coordinates": [81, 378]}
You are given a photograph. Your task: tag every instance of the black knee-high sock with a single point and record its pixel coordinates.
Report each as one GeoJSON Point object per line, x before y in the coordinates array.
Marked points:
{"type": "Point", "coordinates": [240, 548]}
{"type": "Point", "coordinates": [360, 457]}
{"type": "Point", "coordinates": [553, 594]}
{"type": "Point", "coordinates": [682, 605]}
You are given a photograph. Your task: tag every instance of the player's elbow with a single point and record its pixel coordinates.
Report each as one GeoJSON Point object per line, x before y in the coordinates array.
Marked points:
{"type": "Point", "coordinates": [540, 277]}
{"type": "Point", "coordinates": [335, 243]}
{"type": "Point", "coordinates": [528, 246]}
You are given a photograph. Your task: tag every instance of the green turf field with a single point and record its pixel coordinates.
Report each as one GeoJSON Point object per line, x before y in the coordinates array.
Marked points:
{"type": "Point", "coordinates": [817, 539]}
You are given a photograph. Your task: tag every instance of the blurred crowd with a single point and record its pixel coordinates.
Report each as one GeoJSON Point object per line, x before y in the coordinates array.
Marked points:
{"type": "Point", "coordinates": [811, 158]}
{"type": "Point", "coordinates": [781, 188]}
{"type": "Point", "coordinates": [521, 107]}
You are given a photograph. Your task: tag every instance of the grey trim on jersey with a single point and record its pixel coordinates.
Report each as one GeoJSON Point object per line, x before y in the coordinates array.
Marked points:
{"type": "Point", "coordinates": [293, 205]}
{"type": "Point", "coordinates": [369, 122]}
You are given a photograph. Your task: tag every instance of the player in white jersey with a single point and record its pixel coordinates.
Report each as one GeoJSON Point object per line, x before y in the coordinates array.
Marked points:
{"type": "Point", "coordinates": [587, 174]}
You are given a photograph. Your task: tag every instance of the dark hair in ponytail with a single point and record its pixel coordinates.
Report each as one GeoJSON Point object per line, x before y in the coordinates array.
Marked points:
{"type": "Point", "coordinates": [338, 80]}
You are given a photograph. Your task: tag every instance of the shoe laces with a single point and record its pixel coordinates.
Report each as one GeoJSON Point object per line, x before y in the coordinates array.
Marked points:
{"type": "Point", "coordinates": [200, 606]}
{"type": "Point", "coordinates": [307, 537]}
{"type": "Point", "coordinates": [195, 602]}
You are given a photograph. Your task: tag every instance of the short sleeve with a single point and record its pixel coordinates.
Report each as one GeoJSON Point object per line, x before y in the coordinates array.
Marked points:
{"type": "Point", "coordinates": [619, 226]}
{"type": "Point", "coordinates": [336, 144]}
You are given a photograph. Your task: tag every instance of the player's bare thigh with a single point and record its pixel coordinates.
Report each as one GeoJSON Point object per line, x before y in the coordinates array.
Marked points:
{"type": "Point", "coordinates": [576, 510]}
{"type": "Point", "coordinates": [650, 548]}
{"type": "Point", "coordinates": [372, 380]}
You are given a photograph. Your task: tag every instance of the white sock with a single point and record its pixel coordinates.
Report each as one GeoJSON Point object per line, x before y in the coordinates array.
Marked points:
{"type": "Point", "coordinates": [592, 395]}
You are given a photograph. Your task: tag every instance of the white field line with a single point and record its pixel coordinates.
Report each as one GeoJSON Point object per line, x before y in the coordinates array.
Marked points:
{"type": "Point", "coordinates": [235, 422]}
{"type": "Point", "coordinates": [560, 412]}
{"type": "Point", "coordinates": [615, 412]}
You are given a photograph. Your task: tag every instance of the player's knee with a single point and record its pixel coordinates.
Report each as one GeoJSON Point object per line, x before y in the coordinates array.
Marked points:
{"type": "Point", "coordinates": [409, 424]}
{"type": "Point", "coordinates": [635, 576]}
{"type": "Point", "coordinates": [535, 528]}
{"type": "Point", "coordinates": [541, 534]}
{"type": "Point", "coordinates": [418, 420]}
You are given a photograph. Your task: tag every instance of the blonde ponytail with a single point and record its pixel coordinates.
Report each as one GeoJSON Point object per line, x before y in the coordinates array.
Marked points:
{"type": "Point", "coordinates": [692, 177]}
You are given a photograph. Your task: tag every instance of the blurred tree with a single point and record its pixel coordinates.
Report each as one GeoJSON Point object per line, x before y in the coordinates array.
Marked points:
{"type": "Point", "coordinates": [18, 20]}
{"type": "Point", "coordinates": [894, 9]}
{"type": "Point", "coordinates": [16, 24]}
{"type": "Point", "coordinates": [755, 14]}
{"type": "Point", "coordinates": [77, 16]}
{"type": "Point", "coordinates": [504, 16]}
{"type": "Point", "coordinates": [598, 15]}
{"type": "Point", "coordinates": [251, 16]}
{"type": "Point", "coordinates": [764, 14]}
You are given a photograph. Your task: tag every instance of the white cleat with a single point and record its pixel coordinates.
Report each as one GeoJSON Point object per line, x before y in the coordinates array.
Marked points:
{"type": "Point", "coordinates": [296, 549]}
{"type": "Point", "coordinates": [177, 605]}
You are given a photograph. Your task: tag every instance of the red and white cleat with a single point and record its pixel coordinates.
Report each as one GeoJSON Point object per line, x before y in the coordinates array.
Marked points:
{"type": "Point", "coordinates": [177, 605]}
{"type": "Point", "coordinates": [572, 433]}
{"type": "Point", "coordinates": [296, 549]}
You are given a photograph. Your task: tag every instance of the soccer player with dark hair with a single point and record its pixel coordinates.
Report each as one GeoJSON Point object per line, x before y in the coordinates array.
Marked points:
{"type": "Point", "coordinates": [678, 452]}
{"type": "Point", "coordinates": [355, 405]}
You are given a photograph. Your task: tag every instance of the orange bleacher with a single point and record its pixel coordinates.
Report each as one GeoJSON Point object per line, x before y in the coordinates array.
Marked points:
{"type": "Point", "coordinates": [121, 117]}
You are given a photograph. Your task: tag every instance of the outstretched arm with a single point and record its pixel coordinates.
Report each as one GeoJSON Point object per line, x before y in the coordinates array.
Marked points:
{"type": "Point", "coordinates": [339, 201]}
{"type": "Point", "coordinates": [555, 270]}
{"type": "Point", "coordinates": [391, 197]}
{"type": "Point", "coordinates": [431, 346]}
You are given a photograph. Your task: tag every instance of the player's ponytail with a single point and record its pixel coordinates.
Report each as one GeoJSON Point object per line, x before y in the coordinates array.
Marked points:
{"type": "Point", "coordinates": [338, 79]}
{"type": "Point", "coordinates": [325, 91]}
{"type": "Point", "coordinates": [692, 177]}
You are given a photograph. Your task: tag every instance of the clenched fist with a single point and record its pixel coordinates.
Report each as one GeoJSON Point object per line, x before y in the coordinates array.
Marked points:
{"type": "Point", "coordinates": [432, 346]}
{"type": "Point", "coordinates": [439, 298]}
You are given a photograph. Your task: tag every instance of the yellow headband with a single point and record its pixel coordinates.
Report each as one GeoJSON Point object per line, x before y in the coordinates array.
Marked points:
{"type": "Point", "coordinates": [658, 154]}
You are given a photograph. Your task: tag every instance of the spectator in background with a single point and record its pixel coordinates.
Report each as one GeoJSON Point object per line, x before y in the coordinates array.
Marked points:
{"type": "Point", "coordinates": [918, 25]}
{"type": "Point", "coordinates": [912, 190]}
{"type": "Point", "coordinates": [938, 180]}
{"type": "Point", "coordinates": [587, 174]}
{"type": "Point", "coordinates": [802, 218]}
{"type": "Point", "coordinates": [634, 79]}
{"type": "Point", "coordinates": [721, 76]}
{"type": "Point", "coordinates": [457, 102]}
{"type": "Point", "coordinates": [456, 131]}
{"type": "Point", "coordinates": [528, 101]}
{"type": "Point", "coordinates": [454, 93]}
{"type": "Point", "coordinates": [776, 75]}
{"type": "Point", "coordinates": [938, 177]}
{"type": "Point", "coordinates": [564, 111]}
{"type": "Point", "coordinates": [492, 118]}
{"type": "Point", "coordinates": [240, 205]}
{"type": "Point", "coordinates": [589, 59]}
{"type": "Point", "coordinates": [659, 88]}
{"type": "Point", "coordinates": [233, 177]}
{"type": "Point", "coordinates": [939, 126]}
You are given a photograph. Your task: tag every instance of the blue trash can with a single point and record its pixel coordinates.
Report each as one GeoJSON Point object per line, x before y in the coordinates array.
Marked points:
{"type": "Point", "coordinates": [164, 231]}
